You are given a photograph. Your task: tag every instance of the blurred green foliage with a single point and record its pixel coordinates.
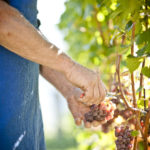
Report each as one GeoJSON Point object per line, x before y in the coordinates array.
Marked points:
{"type": "Point", "coordinates": [64, 137]}
{"type": "Point", "coordinates": [96, 32]}
{"type": "Point", "coordinates": [65, 142]}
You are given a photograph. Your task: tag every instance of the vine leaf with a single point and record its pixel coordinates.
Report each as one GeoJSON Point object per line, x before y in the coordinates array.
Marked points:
{"type": "Point", "coordinates": [139, 89]}
{"type": "Point", "coordinates": [147, 49]}
{"type": "Point", "coordinates": [140, 103]}
{"type": "Point", "coordinates": [146, 71]}
{"type": "Point", "coordinates": [144, 51]}
{"type": "Point", "coordinates": [128, 26]}
{"type": "Point", "coordinates": [141, 51]}
{"type": "Point", "coordinates": [143, 37]}
{"type": "Point", "coordinates": [133, 62]}
{"type": "Point", "coordinates": [134, 133]}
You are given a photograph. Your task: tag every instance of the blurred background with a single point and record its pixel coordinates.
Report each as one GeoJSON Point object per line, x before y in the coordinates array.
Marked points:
{"type": "Point", "coordinates": [92, 32]}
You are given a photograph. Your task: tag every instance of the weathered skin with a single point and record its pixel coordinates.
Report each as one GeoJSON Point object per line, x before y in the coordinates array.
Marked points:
{"type": "Point", "coordinates": [71, 93]}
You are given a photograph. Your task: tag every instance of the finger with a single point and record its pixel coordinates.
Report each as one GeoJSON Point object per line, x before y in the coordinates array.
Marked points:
{"type": "Point", "coordinates": [87, 125]}
{"type": "Point", "coordinates": [88, 97]}
{"type": "Point", "coordinates": [78, 92]}
{"type": "Point", "coordinates": [83, 100]}
{"type": "Point", "coordinates": [103, 121]}
{"type": "Point", "coordinates": [102, 88]}
{"type": "Point", "coordinates": [96, 95]}
{"type": "Point", "coordinates": [95, 123]}
{"type": "Point", "coordinates": [82, 95]}
{"type": "Point", "coordinates": [102, 91]}
{"type": "Point", "coordinates": [99, 86]}
{"type": "Point", "coordinates": [88, 103]}
{"type": "Point", "coordinates": [78, 121]}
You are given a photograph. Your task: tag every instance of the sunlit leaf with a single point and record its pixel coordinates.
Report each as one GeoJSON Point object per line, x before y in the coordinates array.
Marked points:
{"type": "Point", "coordinates": [141, 51]}
{"type": "Point", "coordinates": [133, 62]}
{"type": "Point", "coordinates": [129, 25]}
{"type": "Point", "coordinates": [140, 103]}
{"type": "Point", "coordinates": [139, 89]}
{"type": "Point", "coordinates": [134, 133]}
{"type": "Point", "coordinates": [143, 37]}
{"type": "Point", "coordinates": [146, 71]}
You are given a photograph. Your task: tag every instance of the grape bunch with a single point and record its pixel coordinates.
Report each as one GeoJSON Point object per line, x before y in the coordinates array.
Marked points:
{"type": "Point", "coordinates": [124, 138]}
{"type": "Point", "coordinates": [102, 112]}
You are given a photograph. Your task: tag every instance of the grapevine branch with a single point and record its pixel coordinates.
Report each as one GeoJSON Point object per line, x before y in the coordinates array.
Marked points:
{"type": "Point", "coordinates": [148, 113]}
{"type": "Point", "coordinates": [133, 87]}
{"type": "Point", "coordinates": [144, 91]}
{"type": "Point", "coordinates": [146, 128]}
{"type": "Point", "coordinates": [140, 93]}
{"type": "Point", "coordinates": [123, 39]}
{"type": "Point", "coordinates": [141, 79]}
{"type": "Point", "coordinates": [132, 74]}
{"type": "Point", "coordinates": [119, 81]}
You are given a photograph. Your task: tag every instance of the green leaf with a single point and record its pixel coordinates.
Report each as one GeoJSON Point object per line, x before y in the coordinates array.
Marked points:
{"type": "Point", "coordinates": [144, 51]}
{"type": "Point", "coordinates": [147, 49]}
{"type": "Point", "coordinates": [139, 89]}
{"type": "Point", "coordinates": [141, 51]}
{"type": "Point", "coordinates": [134, 133]}
{"type": "Point", "coordinates": [133, 62]}
{"type": "Point", "coordinates": [129, 25]}
{"type": "Point", "coordinates": [146, 71]}
{"type": "Point", "coordinates": [143, 37]}
{"type": "Point", "coordinates": [148, 2]}
{"type": "Point", "coordinates": [140, 103]}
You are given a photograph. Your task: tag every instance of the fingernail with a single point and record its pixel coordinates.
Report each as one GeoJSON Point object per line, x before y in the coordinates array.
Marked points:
{"type": "Point", "coordinates": [82, 95]}
{"type": "Point", "coordinates": [87, 124]}
{"type": "Point", "coordinates": [95, 123]}
{"type": "Point", "coordinates": [78, 121]}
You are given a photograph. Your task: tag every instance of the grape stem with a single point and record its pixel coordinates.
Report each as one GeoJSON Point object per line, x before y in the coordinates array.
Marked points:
{"type": "Point", "coordinates": [140, 93]}
{"type": "Point", "coordinates": [141, 79]}
{"type": "Point", "coordinates": [132, 84]}
{"type": "Point", "coordinates": [123, 39]}
{"type": "Point", "coordinates": [146, 129]}
{"type": "Point", "coordinates": [119, 81]}
{"type": "Point", "coordinates": [132, 74]}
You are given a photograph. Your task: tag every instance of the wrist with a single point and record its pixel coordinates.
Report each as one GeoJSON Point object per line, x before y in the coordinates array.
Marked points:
{"type": "Point", "coordinates": [67, 65]}
{"type": "Point", "coordinates": [68, 91]}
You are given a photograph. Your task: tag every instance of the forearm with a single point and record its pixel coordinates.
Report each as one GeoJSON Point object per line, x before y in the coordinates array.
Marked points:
{"type": "Point", "coordinates": [58, 80]}
{"type": "Point", "coordinates": [20, 37]}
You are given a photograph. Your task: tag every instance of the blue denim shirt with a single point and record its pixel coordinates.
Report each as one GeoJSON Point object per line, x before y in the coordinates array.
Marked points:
{"type": "Point", "coordinates": [21, 125]}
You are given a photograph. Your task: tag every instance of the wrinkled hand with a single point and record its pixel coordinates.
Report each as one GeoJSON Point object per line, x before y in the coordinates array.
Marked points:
{"type": "Point", "coordinates": [78, 109]}
{"type": "Point", "coordinates": [89, 82]}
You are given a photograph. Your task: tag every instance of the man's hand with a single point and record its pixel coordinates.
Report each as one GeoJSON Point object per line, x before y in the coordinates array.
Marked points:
{"type": "Point", "coordinates": [71, 93]}
{"type": "Point", "coordinates": [78, 109]}
{"type": "Point", "coordinates": [89, 82]}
